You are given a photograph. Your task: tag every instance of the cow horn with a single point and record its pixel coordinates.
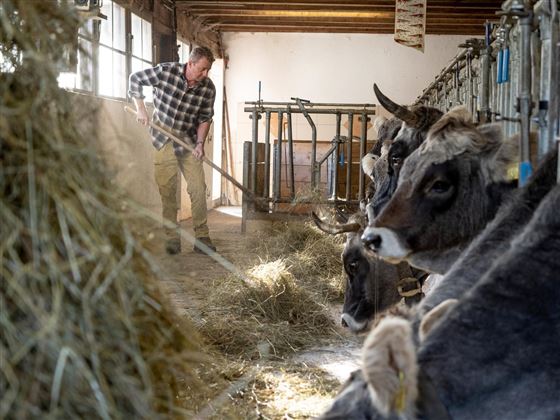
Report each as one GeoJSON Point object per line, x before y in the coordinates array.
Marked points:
{"type": "Point", "coordinates": [335, 229]}
{"type": "Point", "coordinates": [399, 111]}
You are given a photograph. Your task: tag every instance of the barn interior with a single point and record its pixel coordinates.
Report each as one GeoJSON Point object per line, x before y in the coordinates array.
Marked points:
{"type": "Point", "coordinates": [96, 318]}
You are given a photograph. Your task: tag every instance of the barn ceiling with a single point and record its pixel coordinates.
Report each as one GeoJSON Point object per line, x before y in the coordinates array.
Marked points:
{"type": "Point", "coordinates": [461, 17]}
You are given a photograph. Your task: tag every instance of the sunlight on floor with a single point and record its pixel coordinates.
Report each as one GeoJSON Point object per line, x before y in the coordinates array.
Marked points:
{"type": "Point", "coordinates": [230, 210]}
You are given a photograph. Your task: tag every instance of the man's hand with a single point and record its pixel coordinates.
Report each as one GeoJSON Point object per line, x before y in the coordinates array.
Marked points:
{"type": "Point", "coordinates": [198, 151]}
{"type": "Point", "coordinates": [141, 112]}
{"type": "Point", "coordinates": [142, 116]}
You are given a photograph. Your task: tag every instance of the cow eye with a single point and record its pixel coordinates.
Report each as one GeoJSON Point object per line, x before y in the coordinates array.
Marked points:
{"type": "Point", "coordinates": [440, 187]}
{"type": "Point", "coordinates": [351, 267]}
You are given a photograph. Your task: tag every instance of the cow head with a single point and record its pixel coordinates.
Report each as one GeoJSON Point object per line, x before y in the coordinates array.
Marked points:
{"type": "Point", "coordinates": [387, 130]}
{"type": "Point", "coordinates": [371, 283]}
{"type": "Point", "coordinates": [449, 188]}
{"type": "Point", "coordinates": [416, 122]}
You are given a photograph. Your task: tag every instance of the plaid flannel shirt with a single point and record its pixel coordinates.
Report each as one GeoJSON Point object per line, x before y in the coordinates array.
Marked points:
{"type": "Point", "coordinates": [177, 106]}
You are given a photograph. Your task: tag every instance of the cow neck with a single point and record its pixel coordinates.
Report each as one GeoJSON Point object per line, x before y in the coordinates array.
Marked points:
{"type": "Point", "coordinates": [429, 404]}
{"type": "Point", "coordinates": [436, 261]}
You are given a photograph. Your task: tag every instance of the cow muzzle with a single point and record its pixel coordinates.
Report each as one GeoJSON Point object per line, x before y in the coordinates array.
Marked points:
{"type": "Point", "coordinates": [385, 243]}
{"type": "Point", "coordinates": [348, 321]}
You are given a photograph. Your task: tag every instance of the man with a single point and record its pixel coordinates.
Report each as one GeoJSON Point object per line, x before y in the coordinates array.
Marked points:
{"type": "Point", "coordinates": [184, 104]}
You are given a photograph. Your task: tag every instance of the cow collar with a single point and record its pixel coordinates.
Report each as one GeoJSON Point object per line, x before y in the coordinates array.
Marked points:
{"type": "Point", "coordinates": [410, 289]}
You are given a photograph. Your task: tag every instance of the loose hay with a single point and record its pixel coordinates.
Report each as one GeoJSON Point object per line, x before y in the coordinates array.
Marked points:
{"type": "Point", "coordinates": [84, 329]}
{"type": "Point", "coordinates": [287, 303]}
{"type": "Point", "coordinates": [275, 308]}
{"type": "Point", "coordinates": [314, 258]}
{"type": "Point", "coordinates": [280, 392]}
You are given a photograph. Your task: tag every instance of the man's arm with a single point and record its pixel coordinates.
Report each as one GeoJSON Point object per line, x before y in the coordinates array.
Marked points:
{"type": "Point", "coordinates": [201, 133]}
{"type": "Point", "coordinates": [147, 77]}
{"type": "Point", "coordinates": [141, 111]}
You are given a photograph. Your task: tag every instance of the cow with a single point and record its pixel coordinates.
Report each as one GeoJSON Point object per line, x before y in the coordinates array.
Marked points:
{"type": "Point", "coordinates": [503, 301]}
{"type": "Point", "coordinates": [372, 285]}
{"type": "Point", "coordinates": [416, 122]}
{"type": "Point", "coordinates": [448, 190]}
{"type": "Point", "coordinates": [387, 130]}
{"type": "Point", "coordinates": [374, 163]}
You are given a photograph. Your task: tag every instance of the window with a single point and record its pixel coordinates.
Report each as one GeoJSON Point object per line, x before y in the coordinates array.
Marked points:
{"type": "Point", "coordinates": [108, 51]}
{"type": "Point", "coordinates": [141, 31]}
{"type": "Point", "coordinates": [81, 78]}
{"type": "Point", "coordinates": [112, 52]}
{"type": "Point", "coordinates": [184, 51]}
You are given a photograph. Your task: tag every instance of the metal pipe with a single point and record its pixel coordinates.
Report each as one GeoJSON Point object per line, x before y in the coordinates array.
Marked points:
{"type": "Point", "coordinates": [485, 58]}
{"type": "Point", "coordinates": [363, 140]}
{"type": "Point", "coordinates": [278, 159]}
{"type": "Point", "coordinates": [450, 67]}
{"type": "Point", "coordinates": [457, 82]}
{"type": "Point", "coordinates": [314, 170]}
{"type": "Point", "coordinates": [291, 153]}
{"type": "Point", "coordinates": [336, 157]}
{"type": "Point", "coordinates": [255, 122]}
{"type": "Point", "coordinates": [543, 9]}
{"type": "Point", "coordinates": [267, 155]}
{"type": "Point", "coordinates": [525, 102]}
{"type": "Point", "coordinates": [329, 153]}
{"type": "Point", "coordinates": [360, 106]}
{"type": "Point", "coordinates": [349, 156]}
{"type": "Point", "coordinates": [470, 93]}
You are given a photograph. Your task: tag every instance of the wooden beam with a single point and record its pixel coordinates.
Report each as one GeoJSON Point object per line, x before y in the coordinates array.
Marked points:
{"type": "Point", "coordinates": [449, 30]}
{"type": "Point", "coordinates": [337, 3]}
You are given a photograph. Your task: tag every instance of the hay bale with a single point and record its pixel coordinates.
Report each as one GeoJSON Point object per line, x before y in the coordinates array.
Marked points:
{"type": "Point", "coordinates": [84, 329]}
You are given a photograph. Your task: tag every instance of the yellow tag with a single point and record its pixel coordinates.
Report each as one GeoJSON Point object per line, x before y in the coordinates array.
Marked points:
{"type": "Point", "coordinates": [513, 171]}
{"type": "Point", "coordinates": [400, 396]}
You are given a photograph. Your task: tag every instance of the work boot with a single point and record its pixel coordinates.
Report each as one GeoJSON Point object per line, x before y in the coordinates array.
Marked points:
{"type": "Point", "coordinates": [205, 241]}
{"type": "Point", "coordinates": [173, 246]}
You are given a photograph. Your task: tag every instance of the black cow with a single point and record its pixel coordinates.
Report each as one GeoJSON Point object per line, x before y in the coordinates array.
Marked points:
{"type": "Point", "coordinates": [371, 283]}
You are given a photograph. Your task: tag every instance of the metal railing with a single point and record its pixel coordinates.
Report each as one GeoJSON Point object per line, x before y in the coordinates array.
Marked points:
{"type": "Point", "coordinates": [510, 76]}
{"type": "Point", "coordinates": [267, 187]}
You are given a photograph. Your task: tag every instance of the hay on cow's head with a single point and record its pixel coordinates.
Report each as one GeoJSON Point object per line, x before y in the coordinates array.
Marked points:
{"type": "Point", "coordinates": [84, 329]}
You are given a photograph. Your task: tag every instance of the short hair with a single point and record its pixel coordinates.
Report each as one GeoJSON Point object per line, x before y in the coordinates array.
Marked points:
{"type": "Point", "coordinates": [198, 52]}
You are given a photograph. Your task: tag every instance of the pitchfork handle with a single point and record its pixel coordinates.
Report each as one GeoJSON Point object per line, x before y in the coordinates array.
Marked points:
{"type": "Point", "coordinates": [190, 148]}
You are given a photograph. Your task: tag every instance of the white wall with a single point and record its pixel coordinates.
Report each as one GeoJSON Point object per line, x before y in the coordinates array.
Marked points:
{"type": "Point", "coordinates": [333, 68]}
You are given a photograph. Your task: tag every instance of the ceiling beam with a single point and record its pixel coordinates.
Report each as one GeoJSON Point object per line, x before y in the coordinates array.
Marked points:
{"type": "Point", "coordinates": [448, 30]}
{"type": "Point", "coordinates": [495, 4]}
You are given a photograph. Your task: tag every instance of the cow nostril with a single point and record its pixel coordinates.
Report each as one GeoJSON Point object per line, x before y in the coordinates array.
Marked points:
{"type": "Point", "coordinates": [371, 240]}
{"type": "Point", "coordinates": [343, 322]}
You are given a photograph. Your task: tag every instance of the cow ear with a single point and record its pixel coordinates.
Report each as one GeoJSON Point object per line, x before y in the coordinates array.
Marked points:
{"type": "Point", "coordinates": [378, 122]}
{"type": "Point", "coordinates": [434, 317]}
{"type": "Point", "coordinates": [492, 132]}
{"type": "Point", "coordinates": [385, 147]}
{"type": "Point", "coordinates": [502, 153]}
{"type": "Point", "coordinates": [460, 113]}
{"type": "Point", "coordinates": [367, 164]}
{"type": "Point", "coordinates": [390, 367]}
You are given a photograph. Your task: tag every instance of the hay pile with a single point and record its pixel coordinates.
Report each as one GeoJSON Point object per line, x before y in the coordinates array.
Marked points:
{"type": "Point", "coordinates": [287, 303]}
{"type": "Point", "coordinates": [84, 331]}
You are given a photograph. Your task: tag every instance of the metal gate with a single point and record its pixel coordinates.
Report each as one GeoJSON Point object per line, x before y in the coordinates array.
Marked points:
{"type": "Point", "coordinates": [263, 161]}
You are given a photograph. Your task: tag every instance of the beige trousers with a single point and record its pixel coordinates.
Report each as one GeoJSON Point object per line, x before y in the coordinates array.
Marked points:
{"type": "Point", "coordinates": [166, 164]}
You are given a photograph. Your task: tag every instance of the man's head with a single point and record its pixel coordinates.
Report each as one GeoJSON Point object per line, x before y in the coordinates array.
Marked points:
{"type": "Point", "coordinates": [199, 64]}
